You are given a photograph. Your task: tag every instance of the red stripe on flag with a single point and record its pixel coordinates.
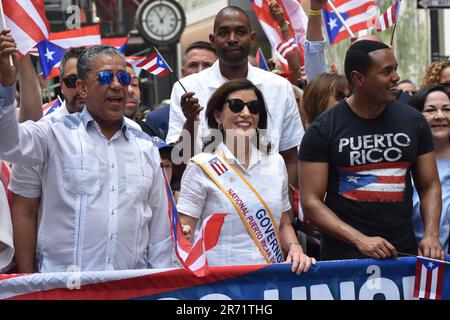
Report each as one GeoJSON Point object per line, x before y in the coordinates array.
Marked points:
{"type": "Point", "coordinates": [22, 19]}
{"type": "Point", "coordinates": [439, 282]}
{"type": "Point", "coordinates": [374, 196]}
{"type": "Point", "coordinates": [75, 33]}
{"type": "Point", "coordinates": [392, 179]}
{"type": "Point", "coordinates": [417, 278]}
{"type": "Point", "coordinates": [39, 5]}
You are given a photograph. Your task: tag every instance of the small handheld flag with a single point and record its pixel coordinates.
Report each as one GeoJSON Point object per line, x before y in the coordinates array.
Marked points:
{"type": "Point", "coordinates": [429, 278]}
{"type": "Point", "coordinates": [50, 56]}
{"type": "Point", "coordinates": [52, 106]}
{"type": "Point", "coordinates": [260, 60]}
{"type": "Point", "coordinates": [389, 17]}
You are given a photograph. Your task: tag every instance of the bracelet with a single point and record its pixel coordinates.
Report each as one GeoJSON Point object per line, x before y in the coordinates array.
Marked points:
{"type": "Point", "coordinates": [312, 12]}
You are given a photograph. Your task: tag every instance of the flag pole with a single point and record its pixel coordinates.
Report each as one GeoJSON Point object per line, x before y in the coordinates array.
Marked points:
{"type": "Point", "coordinates": [341, 19]}
{"type": "Point", "coordinates": [176, 77]}
{"type": "Point", "coordinates": [412, 255]}
{"type": "Point", "coordinates": [59, 98]}
{"type": "Point", "coordinates": [262, 56]}
{"type": "Point", "coordinates": [2, 13]}
{"type": "Point", "coordinates": [392, 35]}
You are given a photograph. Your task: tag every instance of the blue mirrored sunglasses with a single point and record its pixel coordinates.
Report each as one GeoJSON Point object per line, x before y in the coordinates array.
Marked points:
{"type": "Point", "coordinates": [105, 78]}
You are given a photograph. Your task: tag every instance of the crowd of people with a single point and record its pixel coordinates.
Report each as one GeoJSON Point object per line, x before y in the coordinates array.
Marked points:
{"type": "Point", "coordinates": [356, 165]}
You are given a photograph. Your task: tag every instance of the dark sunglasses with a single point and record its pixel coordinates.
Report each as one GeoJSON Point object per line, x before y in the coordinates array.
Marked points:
{"type": "Point", "coordinates": [70, 81]}
{"type": "Point", "coordinates": [105, 78]}
{"type": "Point", "coordinates": [237, 105]}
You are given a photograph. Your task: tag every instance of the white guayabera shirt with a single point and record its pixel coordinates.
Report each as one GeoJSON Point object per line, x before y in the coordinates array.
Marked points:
{"type": "Point", "coordinates": [103, 205]}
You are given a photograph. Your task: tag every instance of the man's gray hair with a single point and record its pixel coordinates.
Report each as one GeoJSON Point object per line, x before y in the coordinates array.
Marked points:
{"type": "Point", "coordinates": [84, 63]}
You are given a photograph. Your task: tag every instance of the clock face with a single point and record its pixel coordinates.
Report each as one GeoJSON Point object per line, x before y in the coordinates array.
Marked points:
{"type": "Point", "coordinates": [161, 21]}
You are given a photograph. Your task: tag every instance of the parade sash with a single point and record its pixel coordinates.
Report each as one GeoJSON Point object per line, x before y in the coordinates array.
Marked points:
{"type": "Point", "coordinates": [253, 211]}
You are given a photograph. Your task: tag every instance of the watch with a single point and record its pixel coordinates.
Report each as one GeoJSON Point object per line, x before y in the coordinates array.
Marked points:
{"type": "Point", "coordinates": [160, 21]}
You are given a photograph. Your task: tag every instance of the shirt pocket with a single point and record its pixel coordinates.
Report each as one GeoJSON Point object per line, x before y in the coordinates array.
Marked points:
{"type": "Point", "coordinates": [138, 180]}
{"type": "Point", "coordinates": [81, 174]}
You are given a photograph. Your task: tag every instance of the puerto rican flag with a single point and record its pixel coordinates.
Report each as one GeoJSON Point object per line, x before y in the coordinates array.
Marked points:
{"type": "Point", "coordinates": [51, 107]}
{"type": "Point", "coordinates": [27, 21]}
{"type": "Point", "coordinates": [260, 60]}
{"type": "Point", "coordinates": [429, 278]}
{"type": "Point", "coordinates": [5, 176]}
{"type": "Point", "coordinates": [356, 13]}
{"type": "Point", "coordinates": [388, 18]}
{"type": "Point", "coordinates": [84, 36]}
{"type": "Point", "coordinates": [378, 182]}
{"type": "Point", "coordinates": [218, 166]}
{"type": "Point", "coordinates": [287, 47]}
{"type": "Point", "coordinates": [193, 256]}
{"type": "Point", "coordinates": [294, 14]}
{"type": "Point", "coordinates": [155, 64]}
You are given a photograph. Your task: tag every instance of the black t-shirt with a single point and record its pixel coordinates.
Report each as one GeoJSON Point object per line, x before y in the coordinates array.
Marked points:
{"type": "Point", "coordinates": [369, 181]}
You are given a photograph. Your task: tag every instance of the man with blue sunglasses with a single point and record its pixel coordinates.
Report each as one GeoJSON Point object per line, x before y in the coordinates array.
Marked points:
{"type": "Point", "coordinates": [103, 195]}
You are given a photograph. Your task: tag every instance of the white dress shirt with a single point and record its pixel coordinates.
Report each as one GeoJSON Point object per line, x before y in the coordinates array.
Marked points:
{"type": "Point", "coordinates": [284, 126]}
{"type": "Point", "coordinates": [6, 237]}
{"type": "Point", "coordinates": [103, 205]}
{"type": "Point", "coordinates": [200, 197]}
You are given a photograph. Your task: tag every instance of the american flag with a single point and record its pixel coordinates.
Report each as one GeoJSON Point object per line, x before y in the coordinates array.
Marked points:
{"type": "Point", "coordinates": [429, 278]}
{"type": "Point", "coordinates": [193, 256]}
{"type": "Point", "coordinates": [218, 166]}
{"type": "Point", "coordinates": [293, 13]}
{"type": "Point", "coordinates": [286, 47]}
{"type": "Point", "coordinates": [27, 21]}
{"type": "Point", "coordinates": [388, 18]}
{"type": "Point", "coordinates": [155, 64]}
{"type": "Point", "coordinates": [356, 13]}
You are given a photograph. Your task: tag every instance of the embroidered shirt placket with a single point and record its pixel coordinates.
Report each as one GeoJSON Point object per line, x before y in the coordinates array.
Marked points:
{"type": "Point", "coordinates": [113, 203]}
{"type": "Point", "coordinates": [81, 204]}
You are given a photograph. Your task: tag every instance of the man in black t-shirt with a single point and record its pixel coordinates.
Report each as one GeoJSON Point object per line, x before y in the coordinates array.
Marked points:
{"type": "Point", "coordinates": [356, 162]}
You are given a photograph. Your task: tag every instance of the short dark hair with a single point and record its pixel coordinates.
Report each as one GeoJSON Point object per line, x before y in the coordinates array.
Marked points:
{"type": "Point", "coordinates": [417, 101]}
{"type": "Point", "coordinates": [70, 54]}
{"type": "Point", "coordinates": [219, 97]}
{"type": "Point", "coordinates": [358, 59]}
{"type": "Point", "coordinates": [199, 45]}
{"type": "Point", "coordinates": [231, 9]}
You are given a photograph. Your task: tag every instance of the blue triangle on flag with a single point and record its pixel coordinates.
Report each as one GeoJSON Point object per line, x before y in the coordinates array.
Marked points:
{"type": "Point", "coordinates": [333, 24]}
{"type": "Point", "coordinates": [50, 54]}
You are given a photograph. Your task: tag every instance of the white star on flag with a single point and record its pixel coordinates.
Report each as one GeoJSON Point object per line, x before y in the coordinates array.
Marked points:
{"type": "Point", "coordinates": [49, 54]}
{"type": "Point", "coordinates": [352, 179]}
{"type": "Point", "coordinates": [431, 264]}
{"type": "Point", "coordinates": [332, 23]}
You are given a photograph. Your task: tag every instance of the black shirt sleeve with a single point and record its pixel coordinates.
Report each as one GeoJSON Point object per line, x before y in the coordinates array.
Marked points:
{"type": "Point", "coordinates": [315, 143]}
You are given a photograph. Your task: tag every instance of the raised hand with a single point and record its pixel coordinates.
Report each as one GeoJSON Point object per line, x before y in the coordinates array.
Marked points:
{"type": "Point", "coordinates": [8, 48]}
{"type": "Point", "coordinates": [191, 108]}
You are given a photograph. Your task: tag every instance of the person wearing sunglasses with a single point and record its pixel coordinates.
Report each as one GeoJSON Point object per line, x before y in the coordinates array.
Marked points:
{"type": "Point", "coordinates": [238, 175]}
{"type": "Point", "coordinates": [103, 201]}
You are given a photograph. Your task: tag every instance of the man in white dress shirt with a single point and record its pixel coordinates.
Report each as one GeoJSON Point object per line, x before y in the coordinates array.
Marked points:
{"type": "Point", "coordinates": [103, 206]}
{"type": "Point", "coordinates": [232, 38]}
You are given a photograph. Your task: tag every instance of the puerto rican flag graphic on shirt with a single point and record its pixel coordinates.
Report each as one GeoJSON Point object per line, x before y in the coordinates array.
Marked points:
{"type": "Point", "coordinates": [378, 182]}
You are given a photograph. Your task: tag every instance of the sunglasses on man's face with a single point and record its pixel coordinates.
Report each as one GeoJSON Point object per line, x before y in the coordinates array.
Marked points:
{"type": "Point", "coordinates": [237, 105]}
{"type": "Point", "coordinates": [104, 78]}
{"type": "Point", "coordinates": [70, 82]}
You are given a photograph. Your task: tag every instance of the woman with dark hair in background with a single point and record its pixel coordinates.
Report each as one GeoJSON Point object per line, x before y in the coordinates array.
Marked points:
{"type": "Point", "coordinates": [323, 93]}
{"type": "Point", "coordinates": [240, 177]}
{"type": "Point", "coordinates": [434, 103]}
